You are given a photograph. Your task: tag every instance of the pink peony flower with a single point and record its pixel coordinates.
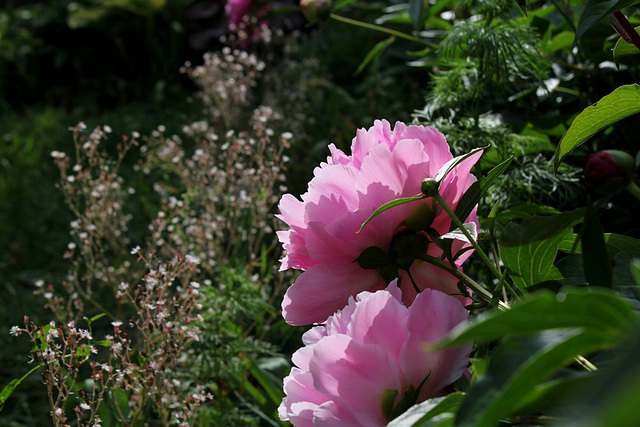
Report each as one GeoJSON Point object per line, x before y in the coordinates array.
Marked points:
{"type": "Point", "coordinates": [323, 240]}
{"type": "Point", "coordinates": [369, 363]}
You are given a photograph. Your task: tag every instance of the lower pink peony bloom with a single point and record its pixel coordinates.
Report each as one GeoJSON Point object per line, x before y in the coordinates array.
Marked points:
{"type": "Point", "coordinates": [369, 362]}
{"type": "Point", "coordinates": [323, 240]}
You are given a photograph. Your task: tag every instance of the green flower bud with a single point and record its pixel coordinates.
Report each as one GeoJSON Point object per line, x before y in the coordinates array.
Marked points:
{"type": "Point", "coordinates": [316, 10]}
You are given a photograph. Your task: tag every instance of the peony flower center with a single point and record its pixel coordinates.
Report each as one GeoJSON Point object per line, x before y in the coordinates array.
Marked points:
{"type": "Point", "coordinates": [405, 248]}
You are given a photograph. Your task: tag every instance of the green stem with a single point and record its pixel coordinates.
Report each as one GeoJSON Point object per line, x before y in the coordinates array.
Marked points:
{"type": "Point", "coordinates": [472, 284]}
{"type": "Point", "coordinates": [382, 30]}
{"type": "Point", "coordinates": [468, 235]}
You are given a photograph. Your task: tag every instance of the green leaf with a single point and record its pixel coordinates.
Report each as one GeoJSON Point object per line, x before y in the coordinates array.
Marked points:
{"type": "Point", "coordinates": [595, 10]}
{"type": "Point", "coordinates": [623, 48]}
{"type": "Point", "coordinates": [613, 399]}
{"type": "Point", "coordinates": [518, 366]}
{"type": "Point", "coordinates": [619, 104]}
{"type": "Point", "coordinates": [269, 383]}
{"type": "Point", "coordinates": [390, 205]}
{"type": "Point", "coordinates": [416, 12]}
{"type": "Point", "coordinates": [529, 249]}
{"type": "Point", "coordinates": [374, 53]}
{"type": "Point", "coordinates": [478, 189]}
{"type": "Point", "coordinates": [420, 414]}
{"type": "Point", "coordinates": [343, 3]}
{"type": "Point", "coordinates": [592, 309]}
{"type": "Point", "coordinates": [635, 270]}
{"type": "Point", "coordinates": [595, 260]}
{"type": "Point", "coordinates": [7, 391]}
{"type": "Point", "coordinates": [451, 164]}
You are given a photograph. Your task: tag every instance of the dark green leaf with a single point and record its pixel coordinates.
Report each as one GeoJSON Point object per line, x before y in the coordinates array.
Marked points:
{"type": "Point", "coordinates": [613, 399]}
{"type": "Point", "coordinates": [375, 52]}
{"type": "Point", "coordinates": [592, 309]}
{"type": "Point", "coordinates": [478, 189]}
{"type": "Point", "coordinates": [595, 10]}
{"type": "Point", "coordinates": [521, 364]}
{"type": "Point", "coordinates": [595, 260]}
{"type": "Point", "coordinates": [619, 104]}
{"type": "Point", "coordinates": [416, 12]}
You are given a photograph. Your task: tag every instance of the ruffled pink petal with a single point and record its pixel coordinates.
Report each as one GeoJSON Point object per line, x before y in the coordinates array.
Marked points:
{"type": "Point", "coordinates": [335, 182]}
{"type": "Point", "coordinates": [378, 320]}
{"type": "Point", "coordinates": [431, 317]}
{"type": "Point", "coordinates": [323, 289]}
{"type": "Point", "coordinates": [342, 369]}
{"type": "Point", "coordinates": [301, 400]}
{"type": "Point", "coordinates": [331, 414]}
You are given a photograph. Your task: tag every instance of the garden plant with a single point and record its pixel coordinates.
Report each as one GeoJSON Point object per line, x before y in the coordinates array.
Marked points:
{"type": "Point", "coordinates": [320, 213]}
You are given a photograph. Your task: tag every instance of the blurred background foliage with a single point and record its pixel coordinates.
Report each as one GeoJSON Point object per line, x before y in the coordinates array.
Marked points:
{"type": "Point", "coordinates": [484, 73]}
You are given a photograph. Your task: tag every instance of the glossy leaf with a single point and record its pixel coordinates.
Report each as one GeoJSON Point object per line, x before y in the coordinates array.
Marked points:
{"type": "Point", "coordinates": [421, 414]}
{"type": "Point", "coordinates": [619, 104]}
{"type": "Point", "coordinates": [595, 10]}
{"type": "Point", "coordinates": [623, 48]}
{"type": "Point", "coordinates": [521, 364]}
{"type": "Point", "coordinates": [592, 309]}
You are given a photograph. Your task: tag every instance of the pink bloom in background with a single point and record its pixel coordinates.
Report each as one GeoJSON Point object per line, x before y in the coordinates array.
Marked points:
{"type": "Point", "coordinates": [323, 240]}
{"type": "Point", "coordinates": [368, 350]}
{"type": "Point", "coordinates": [236, 10]}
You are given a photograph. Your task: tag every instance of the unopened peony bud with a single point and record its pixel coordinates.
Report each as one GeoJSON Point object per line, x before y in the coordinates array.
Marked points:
{"type": "Point", "coordinates": [316, 10]}
{"type": "Point", "coordinates": [608, 171]}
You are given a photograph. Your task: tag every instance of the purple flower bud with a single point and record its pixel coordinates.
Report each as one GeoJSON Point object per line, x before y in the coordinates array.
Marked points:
{"type": "Point", "coordinates": [608, 171]}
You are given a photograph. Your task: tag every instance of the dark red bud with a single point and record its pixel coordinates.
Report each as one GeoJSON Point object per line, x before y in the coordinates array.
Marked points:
{"type": "Point", "coordinates": [608, 171]}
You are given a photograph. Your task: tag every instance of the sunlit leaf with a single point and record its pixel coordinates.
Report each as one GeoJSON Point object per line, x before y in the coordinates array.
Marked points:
{"type": "Point", "coordinates": [619, 104]}
{"type": "Point", "coordinates": [419, 415]}
{"type": "Point", "coordinates": [529, 249]}
{"type": "Point", "coordinates": [390, 205]}
{"type": "Point", "coordinates": [7, 391]}
{"type": "Point", "coordinates": [592, 309]}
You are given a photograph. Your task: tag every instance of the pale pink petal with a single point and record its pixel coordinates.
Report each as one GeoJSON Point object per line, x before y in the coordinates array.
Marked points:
{"type": "Point", "coordinates": [314, 296]}
{"type": "Point", "coordinates": [301, 400]}
{"type": "Point", "coordinates": [431, 317]}
{"type": "Point", "coordinates": [342, 369]}
{"type": "Point", "coordinates": [331, 414]}
{"type": "Point", "coordinates": [378, 320]}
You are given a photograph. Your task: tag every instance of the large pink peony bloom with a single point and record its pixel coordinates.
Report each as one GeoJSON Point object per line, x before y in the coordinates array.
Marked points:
{"type": "Point", "coordinates": [323, 238]}
{"type": "Point", "coordinates": [369, 363]}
